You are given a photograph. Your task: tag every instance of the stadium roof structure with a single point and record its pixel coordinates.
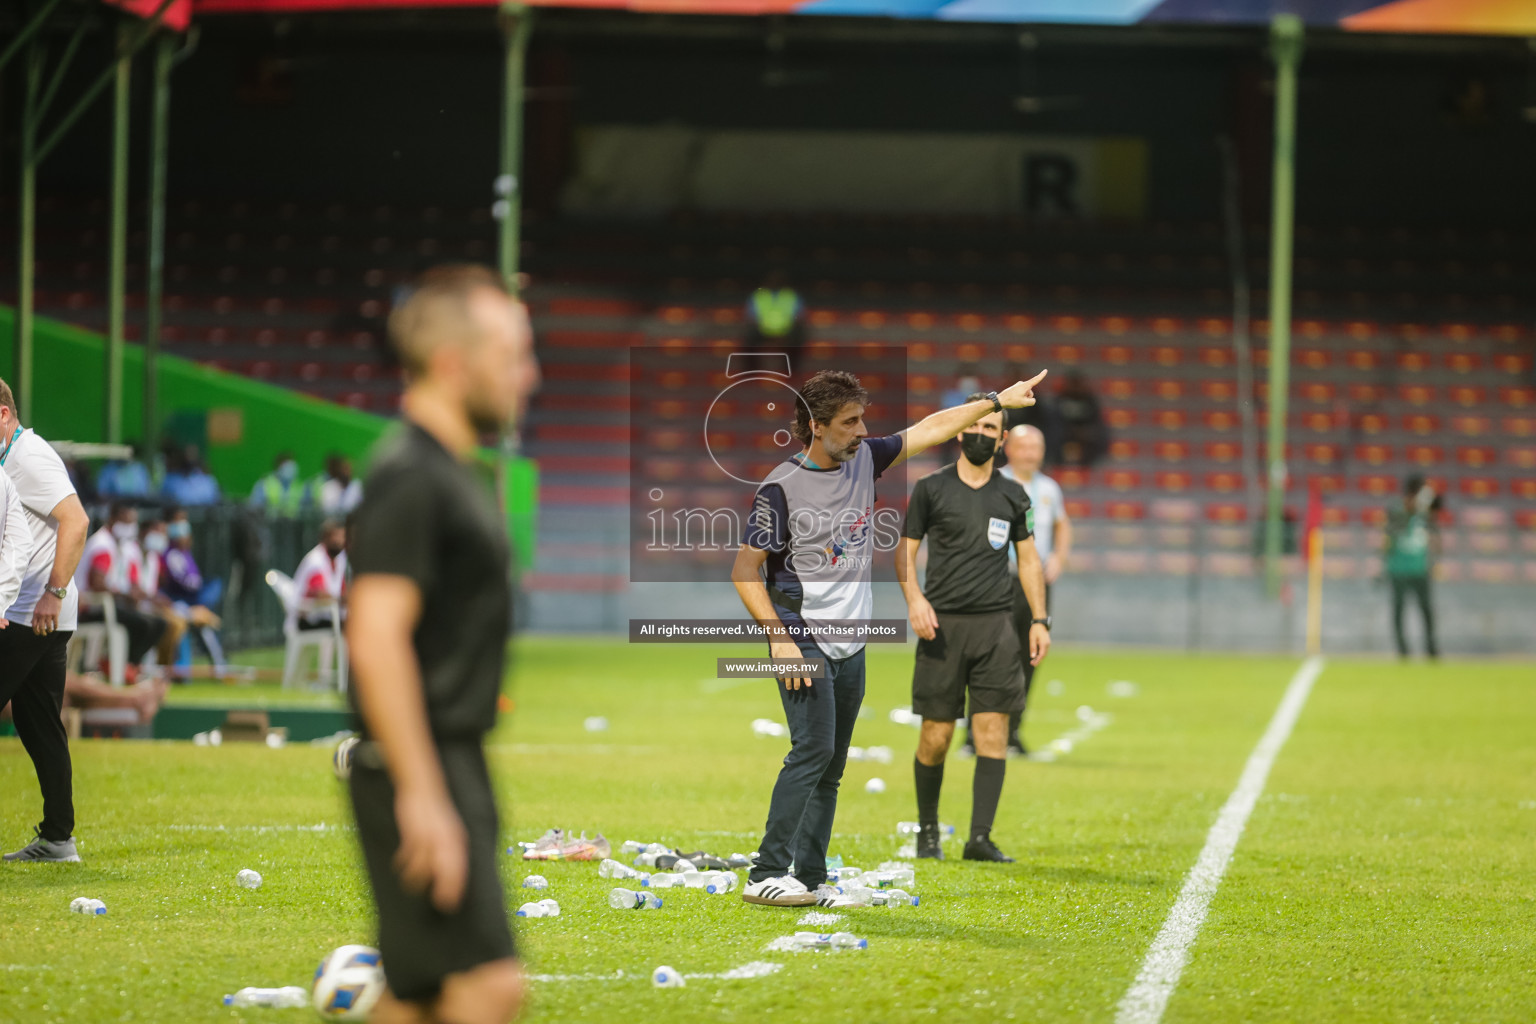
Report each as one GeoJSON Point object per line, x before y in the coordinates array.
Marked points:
{"type": "Point", "coordinates": [1449, 17]}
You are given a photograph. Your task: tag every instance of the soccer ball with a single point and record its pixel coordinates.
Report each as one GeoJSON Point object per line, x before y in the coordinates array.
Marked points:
{"type": "Point", "coordinates": [348, 983]}
{"type": "Point", "coordinates": [342, 759]}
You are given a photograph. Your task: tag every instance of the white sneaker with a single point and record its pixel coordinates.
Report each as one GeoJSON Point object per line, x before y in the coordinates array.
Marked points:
{"type": "Point", "coordinates": [784, 891]}
{"type": "Point", "coordinates": [827, 895]}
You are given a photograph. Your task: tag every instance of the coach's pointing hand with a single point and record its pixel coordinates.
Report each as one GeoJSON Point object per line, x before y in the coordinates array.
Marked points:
{"type": "Point", "coordinates": [1022, 394]}
{"type": "Point", "coordinates": [434, 849]}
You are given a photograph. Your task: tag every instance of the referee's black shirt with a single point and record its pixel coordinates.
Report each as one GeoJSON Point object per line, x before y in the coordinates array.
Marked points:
{"type": "Point", "coordinates": [426, 516]}
{"type": "Point", "coordinates": [969, 531]}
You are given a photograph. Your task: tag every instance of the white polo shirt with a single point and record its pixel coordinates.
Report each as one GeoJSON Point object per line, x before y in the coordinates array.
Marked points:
{"type": "Point", "coordinates": [1049, 503]}
{"type": "Point", "coordinates": [41, 482]}
{"type": "Point", "coordinates": [15, 542]}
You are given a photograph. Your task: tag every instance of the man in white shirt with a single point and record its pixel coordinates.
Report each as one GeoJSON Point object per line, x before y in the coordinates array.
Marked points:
{"type": "Point", "coordinates": [109, 571]}
{"type": "Point", "coordinates": [39, 623]}
{"type": "Point", "coordinates": [322, 577]}
{"type": "Point", "coordinates": [1025, 451]}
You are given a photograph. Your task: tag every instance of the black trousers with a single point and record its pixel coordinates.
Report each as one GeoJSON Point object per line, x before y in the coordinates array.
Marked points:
{"type": "Point", "coordinates": [144, 631]}
{"type": "Point", "coordinates": [1416, 587]}
{"type": "Point", "coordinates": [32, 680]}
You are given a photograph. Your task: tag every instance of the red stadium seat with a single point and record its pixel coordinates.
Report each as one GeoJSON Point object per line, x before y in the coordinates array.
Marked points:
{"type": "Point", "coordinates": [1120, 419]}
{"type": "Point", "coordinates": [1176, 481]}
{"type": "Point", "coordinates": [1333, 515]}
{"type": "Point", "coordinates": [1318, 392]}
{"type": "Point", "coordinates": [1067, 324]}
{"type": "Point", "coordinates": [1373, 516]}
{"type": "Point", "coordinates": [1365, 394]}
{"type": "Point", "coordinates": [1476, 456]}
{"type": "Point", "coordinates": [1413, 362]}
{"type": "Point", "coordinates": [1067, 355]}
{"type": "Point", "coordinates": [1115, 325]}
{"type": "Point", "coordinates": [1525, 518]}
{"type": "Point", "coordinates": [1424, 454]}
{"type": "Point", "coordinates": [922, 384]}
{"type": "Point", "coordinates": [1363, 359]}
{"type": "Point", "coordinates": [1313, 358]}
{"type": "Point", "coordinates": [1122, 450]}
{"type": "Point", "coordinates": [1471, 426]}
{"type": "Point", "coordinates": [1168, 390]}
{"type": "Point", "coordinates": [1223, 451]}
{"type": "Point", "coordinates": [1518, 397]}
{"type": "Point", "coordinates": [1072, 478]}
{"type": "Point", "coordinates": [1218, 390]}
{"type": "Point", "coordinates": [1508, 333]}
{"type": "Point", "coordinates": [1018, 323]}
{"type": "Point", "coordinates": [1467, 396]}
{"type": "Point", "coordinates": [1525, 489]}
{"type": "Point", "coordinates": [1171, 419]}
{"type": "Point", "coordinates": [1123, 479]}
{"type": "Point", "coordinates": [1173, 510]}
{"type": "Point", "coordinates": [1479, 487]}
{"type": "Point", "coordinates": [1318, 422]}
{"type": "Point", "coordinates": [1514, 364]}
{"type": "Point", "coordinates": [1326, 483]}
{"type": "Point", "coordinates": [1171, 451]}
{"type": "Point", "coordinates": [1220, 420]}
{"type": "Point", "coordinates": [1378, 484]}
{"type": "Point", "coordinates": [1373, 454]}
{"type": "Point", "coordinates": [1520, 456]}
{"type": "Point", "coordinates": [1519, 426]}
{"type": "Point", "coordinates": [1463, 362]}
{"type": "Point", "coordinates": [1077, 508]}
{"type": "Point", "coordinates": [1125, 511]}
{"type": "Point", "coordinates": [1117, 387]}
{"type": "Point", "coordinates": [1166, 326]}
{"type": "Point", "coordinates": [920, 352]}
{"type": "Point", "coordinates": [1422, 424]}
{"type": "Point", "coordinates": [1223, 482]}
{"type": "Point", "coordinates": [1215, 356]}
{"type": "Point", "coordinates": [1458, 332]}
{"type": "Point", "coordinates": [1226, 512]}
{"type": "Point", "coordinates": [1117, 355]}
{"type": "Point", "coordinates": [1167, 355]}
{"type": "Point", "coordinates": [1215, 327]}
{"type": "Point", "coordinates": [1417, 394]}
{"type": "Point", "coordinates": [1321, 454]}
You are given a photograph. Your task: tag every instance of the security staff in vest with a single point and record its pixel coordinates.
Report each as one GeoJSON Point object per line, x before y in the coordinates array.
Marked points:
{"type": "Point", "coordinates": [970, 514]}
{"type": "Point", "coordinates": [279, 494]}
{"type": "Point", "coordinates": [776, 318]}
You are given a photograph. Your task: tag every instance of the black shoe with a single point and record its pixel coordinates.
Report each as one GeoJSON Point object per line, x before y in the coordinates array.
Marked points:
{"type": "Point", "coordinates": [983, 848]}
{"type": "Point", "coordinates": [928, 844]}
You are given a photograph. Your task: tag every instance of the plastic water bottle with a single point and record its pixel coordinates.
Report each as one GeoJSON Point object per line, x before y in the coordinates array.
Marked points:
{"type": "Point", "coordinates": [248, 879]}
{"type": "Point", "coordinates": [768, 727]}
{"type": "Point", "coordinates": [663, 880]}
{"type": "Point", "coordinates": [628, 899]}
{"type": "Point", "coordinates": [86, 905]}
{"type": "Point", "coordinates": [739, 860]}
{"type": "Point", "coordinates": [895, 898]}
{"type": "Point", "coordinates": [287, 997]}
{"type": "Point", "coordinates": [630, 847]}
{"type": "Point", "coordinates": [535, 882]}
{"type": "Point", "coordinates": [825, 940]}
{"type": "Point", "coordinates": [720, 881]}
{"type": "Point", "coordinates": [543, 908]}
{"type": "Point", "coordinates": [613, 869]}
{"type": "Point", "coordinates": [647, 857]}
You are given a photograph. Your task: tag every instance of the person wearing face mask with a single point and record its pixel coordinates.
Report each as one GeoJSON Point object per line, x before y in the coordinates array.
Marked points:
{"type": "Point", "coordinates": [322, 576]}
{"type": "Point", "coordinates": [146, 574]}
{"type": "Point", "coordinates": [970, 514]}
{"type": "Point", "coordinates": [109, 567]}
{"type": "Point", "coordinates": [279, 494]}
{"type": "Point", "coordinates": [190, 595]}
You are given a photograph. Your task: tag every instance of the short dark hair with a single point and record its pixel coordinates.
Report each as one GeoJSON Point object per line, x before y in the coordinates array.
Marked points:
{"type": "Point", "coordinates": [416, 325]}
{"type": "Point", "coordinates": [120, 506]}
{"type": "Point", "coordinates": [282, 457]}
{"type": "Point", "coordinates": [820, 399]}
{"type": "Point", "coordinates": [976, 396]}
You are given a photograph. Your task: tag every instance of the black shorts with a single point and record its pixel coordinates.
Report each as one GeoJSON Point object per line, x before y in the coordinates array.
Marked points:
{"type": "Point", "coordinates": [975, 653]}
{"type": "Point", "coordinates": [1023, 618]}
{"type": "Point", "coordinates": [418, 944]}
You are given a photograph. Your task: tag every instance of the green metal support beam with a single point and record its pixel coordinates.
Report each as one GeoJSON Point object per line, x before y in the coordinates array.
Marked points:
{"type": "Point", "coordinates": [154, 279]}
{"type": "Point", "coordinates": [117, 252]}
{"type": "Point", "coordinates": [516, 24]}
{"type": "Point", "coordinates": [28, 31]}
{"type": "Point", "coordinates": [1286, 34]}
{"type": "Point", "coordinates": [27, 237]}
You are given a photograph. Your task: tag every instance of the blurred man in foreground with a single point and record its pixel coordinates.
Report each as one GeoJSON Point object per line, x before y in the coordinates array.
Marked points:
{"type": "Point", "coordinates": [430, 613]}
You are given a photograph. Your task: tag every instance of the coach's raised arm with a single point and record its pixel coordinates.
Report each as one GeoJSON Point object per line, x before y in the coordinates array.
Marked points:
{"type": "Point", "coordinates": [948, 423]}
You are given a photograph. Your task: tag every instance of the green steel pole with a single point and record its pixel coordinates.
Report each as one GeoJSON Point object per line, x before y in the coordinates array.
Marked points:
{"type": "Point", "coordinates": [517, 23]}
{"type": "Point", "coordinates": [28, 31]}
{"type": "Point", "coordinates": [154, 281]}
{"type": "Point", "coordinates": [1286, 44]}
{"type": "Point", "coordinates": [118, 253]}
{"type": "Point", "coordinates": [25, 261]}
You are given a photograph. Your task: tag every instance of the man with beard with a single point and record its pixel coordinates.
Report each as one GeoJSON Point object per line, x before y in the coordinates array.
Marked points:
{"type": "Point", "coordinates": [970, 513]}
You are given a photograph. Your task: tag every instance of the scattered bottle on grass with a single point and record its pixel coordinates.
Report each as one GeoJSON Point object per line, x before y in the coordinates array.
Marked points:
{"type": "Point", "coordinates": [722, 881]}
{"type": "Point", "coordinates": [647, 857]}
{"type": "Point", "coordinates": [86, 905]}
{"type": "Point", "coordinates": [628, 899]}
{"type": "Point", "coordinates": [535, 882]}
{"type": "Point", "coordinates": [543, 908]}
{"type": "Point", "coordinates": [832, 940]}
{"type": "Point", "coordinates": [613, 869]}
{"type": "Point", "coordinates": [248, 879]}
{"type": "Point", "coordinates": [287, 997]}
{"type": "Point", "coordinates": [663, 880]}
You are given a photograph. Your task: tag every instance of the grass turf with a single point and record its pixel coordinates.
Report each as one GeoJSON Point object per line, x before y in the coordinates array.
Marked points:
{"type": "Point", "coordinates": [1384, 875]}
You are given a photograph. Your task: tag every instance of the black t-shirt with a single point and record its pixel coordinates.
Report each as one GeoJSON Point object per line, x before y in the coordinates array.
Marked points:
{"type": "Point", "coordinates": [969, 531]}
{"type": "Point", "coordinates": [427, 517]}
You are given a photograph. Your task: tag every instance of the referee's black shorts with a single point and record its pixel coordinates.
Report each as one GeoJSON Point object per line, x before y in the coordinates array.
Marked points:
{"type": "Point", "coordinates": [1023, 618]}
{"type": "Point", "coordinates": [418, 944]}
{"type": "Point", "coordinates": [975, 653]}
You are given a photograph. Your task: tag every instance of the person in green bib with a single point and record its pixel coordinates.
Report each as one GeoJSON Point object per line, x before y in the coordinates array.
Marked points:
{"type": "Point", "coordinates": [775, 316]}
{"type": "Point", "coordinates": [1412, 543]}
{"type": "Point", "coordinates": [279, 494]}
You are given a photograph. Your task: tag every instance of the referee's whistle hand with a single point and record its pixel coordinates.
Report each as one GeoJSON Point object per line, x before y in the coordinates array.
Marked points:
{"type": "Point", "coordinates": [1039, 643]}
{"type": "Point", "coordinates": [1022, 394]}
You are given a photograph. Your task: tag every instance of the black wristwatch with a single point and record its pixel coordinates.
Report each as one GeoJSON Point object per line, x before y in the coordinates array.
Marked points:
{"type": "Point", "coordinates": [1046, 622]}
{"type": "Point", "coordinates": [997, 404]}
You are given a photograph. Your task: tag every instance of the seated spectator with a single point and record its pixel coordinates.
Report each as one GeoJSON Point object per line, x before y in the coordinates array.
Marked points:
{"type": "Point", "coordinates": [335, 492]}
{"type": "Point", "coordinates": [104, 575]}
{"type": "Point", "coordinates": [321, 578]}
{"type": "Point", "coordinates": [1084, 434]}
{"type": "Point", "coordinates": [154, 542]}
{"type": "Point", "coordinates": [124, 478]}
{"type": "Point", "coordinates": [279, 494]}
{"type": "Point", "coordinates": [88, 691]}
{"type": "Point", "coordinates": [186, 482]}
{"type": "Point", "coordinates": [191, 597]}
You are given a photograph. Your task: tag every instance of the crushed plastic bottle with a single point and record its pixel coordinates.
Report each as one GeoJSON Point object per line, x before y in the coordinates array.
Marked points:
{"type": "Point", "coordinates": [663, 880]}
{"type": "Point", "coordinates": [829, 940]}
{"type": "Point", "coordinates": [248, 879]}
{"type": "Point", "coordinates": [722, 881]}
{"type": "Point", "coordinates": [613, 869]}
{"type": "Point", "coordinates": [543, 908]}
{"type": "Point", "coordinates": [86, 905]}
{"type": "Point", "coordinates": [287, 997]}
{"type": "Point", "coordinates": [647, 857]}
{"type": "Point", "coordinates": [630, 847]}
{"type": "Point", "coordinates": [535, 882]}
{"type": "Point", "coordinates": [628, 899]}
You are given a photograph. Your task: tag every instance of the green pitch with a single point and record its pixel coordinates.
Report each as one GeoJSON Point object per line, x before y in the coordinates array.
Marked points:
{"type": "Point", "coordinates": [1385, 875]}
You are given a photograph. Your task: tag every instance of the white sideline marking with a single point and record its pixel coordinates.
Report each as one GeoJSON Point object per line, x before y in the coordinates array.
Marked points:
{"type": "Point", "coordinates": [322, 827]}
{"type": "Point", "coordinates": [1147, 998]}
{"type": "Point", "coordinates": [755, 969]}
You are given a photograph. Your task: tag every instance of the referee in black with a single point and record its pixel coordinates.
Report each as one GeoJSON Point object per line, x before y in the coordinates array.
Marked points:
{"type": "Point", "coordinates": [970, 513]}
{"type": "Point", "coordinates": [430, 613]}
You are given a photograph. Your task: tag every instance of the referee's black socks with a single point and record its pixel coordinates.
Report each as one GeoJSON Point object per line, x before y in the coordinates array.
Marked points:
{"type": "Point", "coordinates": [929, 780]}
{"type": "Point", "coordinates": [986, 791]}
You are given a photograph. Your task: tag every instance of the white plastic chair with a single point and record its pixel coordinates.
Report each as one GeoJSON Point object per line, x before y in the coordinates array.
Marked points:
{"type": "Point", "coordinates": [90, 637]}
{"type": "Point", "coordinates": [329, 643]}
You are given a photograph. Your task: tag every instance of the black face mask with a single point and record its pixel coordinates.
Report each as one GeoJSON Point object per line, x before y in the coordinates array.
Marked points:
{"type": "Point", "coordinates": [978, 448]}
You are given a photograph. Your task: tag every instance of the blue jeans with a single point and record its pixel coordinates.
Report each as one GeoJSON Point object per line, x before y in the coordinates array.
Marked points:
{"type": "Point", "coordinates": [821, 720]}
